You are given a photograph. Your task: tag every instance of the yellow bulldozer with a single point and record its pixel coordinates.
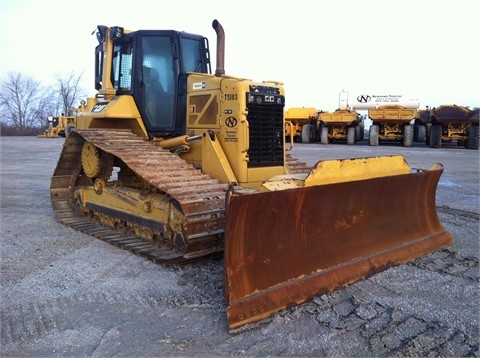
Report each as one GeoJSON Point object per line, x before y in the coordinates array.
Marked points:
{"type": "Point", "coordinates": [58, 126]}
{"type": "Point", "coordinates": [176, 163]}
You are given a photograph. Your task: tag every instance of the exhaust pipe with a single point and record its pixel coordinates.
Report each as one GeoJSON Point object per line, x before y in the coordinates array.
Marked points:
{"type": "Point", "coordinates": [220, 70]}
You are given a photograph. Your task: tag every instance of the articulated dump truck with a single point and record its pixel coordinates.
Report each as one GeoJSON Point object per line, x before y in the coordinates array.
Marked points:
{"type": "Point", "coordinates": [394, 123]}
{"type": "Point", "coordinates": [301, 124]}
{"type": "Point", "coordinates": [448, 123]}
{"type": "Point", "coordinates": [311, 125]}
{"type": "Point", "coordinates": [343, 124]}
{"type": "Point", "coordinates": [175, 164]}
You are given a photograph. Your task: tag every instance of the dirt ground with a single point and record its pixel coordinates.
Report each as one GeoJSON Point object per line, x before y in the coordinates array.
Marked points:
{"type": "Point", "coordinates": [64, 293]}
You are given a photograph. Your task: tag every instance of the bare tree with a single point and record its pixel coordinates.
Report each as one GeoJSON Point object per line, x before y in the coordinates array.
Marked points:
{"type": "Point", "coordinates": [68, 88]}
{"type": "Point", "coordinates": [24, 102]}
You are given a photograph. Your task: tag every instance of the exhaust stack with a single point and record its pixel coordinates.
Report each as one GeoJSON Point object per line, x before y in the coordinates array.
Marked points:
{"type": "Point", "coordinates": [220, 69]}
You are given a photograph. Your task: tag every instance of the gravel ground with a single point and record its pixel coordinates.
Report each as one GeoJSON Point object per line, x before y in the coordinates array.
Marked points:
{"type": "Point", "coordinates": [64, 293]}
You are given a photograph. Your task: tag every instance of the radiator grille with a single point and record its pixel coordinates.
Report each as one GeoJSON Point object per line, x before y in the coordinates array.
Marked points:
{"type": "Point", "coordinates": [266, 135]}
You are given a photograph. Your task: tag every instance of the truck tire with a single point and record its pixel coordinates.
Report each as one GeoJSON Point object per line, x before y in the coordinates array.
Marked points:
{"type": "Point", "coordinates": [436, 136]}
{"type": "Point", "coordinates": [473, 137]}
{"type": "Point", "coordinates": [373, 135]}
{"type": "Point", "coordinates": [318, 132]}
{"type": "Point", "coordinates": [420, 133]}
{"type": "Point", "coordinates": [351, 135]}
{"type": "Point", "coordinates": [359, 129]}
{"type": "Point", "coordinates": [324, 135]}
{"type": "Point", "coordinates": [428, 129]}
{"type": "Point", "coordinates": [408, 135]}
{"type": "Point", "coordinates": [308, 133]}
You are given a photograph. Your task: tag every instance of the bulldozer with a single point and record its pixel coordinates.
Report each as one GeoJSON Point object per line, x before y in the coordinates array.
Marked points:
{"type": "Point", "coordinates": [176, 164]}
{"type": "Point", "coordinates": [58, 126]}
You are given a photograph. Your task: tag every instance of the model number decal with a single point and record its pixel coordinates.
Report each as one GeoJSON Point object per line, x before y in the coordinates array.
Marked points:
{"type": "Point", "coordinates": [230, 96]}
{"type": "Point", "coordinates": [198, 85]}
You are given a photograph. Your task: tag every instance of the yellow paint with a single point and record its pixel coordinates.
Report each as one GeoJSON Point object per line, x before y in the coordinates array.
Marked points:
{"type": "Point", "coordinates": [215, 162]}
{"type": "Point", "coordinates": [149, 206]}
{"type": "Point", "coordinates": [345, 170]}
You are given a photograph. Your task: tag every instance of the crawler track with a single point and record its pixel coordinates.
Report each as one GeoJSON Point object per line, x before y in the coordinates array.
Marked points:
{"type": "Point", "coordinates": [296, 166]}
{"type": "Point", "coordinates": [201, 198]}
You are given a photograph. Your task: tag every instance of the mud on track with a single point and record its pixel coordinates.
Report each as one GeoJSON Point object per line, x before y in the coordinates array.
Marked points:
{"type": "Point", "coordinates": [64, 293]}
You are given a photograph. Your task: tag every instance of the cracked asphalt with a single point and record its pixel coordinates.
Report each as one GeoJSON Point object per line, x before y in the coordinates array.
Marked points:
{"type": "Point", "coordinates": [64, 293]}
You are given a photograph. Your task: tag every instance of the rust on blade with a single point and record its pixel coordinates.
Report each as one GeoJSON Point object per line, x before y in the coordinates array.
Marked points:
{"type": "Point", "coordinates": [284, 247]}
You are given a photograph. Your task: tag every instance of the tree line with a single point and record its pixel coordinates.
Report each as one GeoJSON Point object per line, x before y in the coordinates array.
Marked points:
{"type": "Point", "coordinates": [26, 103]}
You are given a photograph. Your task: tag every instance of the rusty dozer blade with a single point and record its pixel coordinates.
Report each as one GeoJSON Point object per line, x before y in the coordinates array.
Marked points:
{"type": "Point", "coordinates": [284, 247]}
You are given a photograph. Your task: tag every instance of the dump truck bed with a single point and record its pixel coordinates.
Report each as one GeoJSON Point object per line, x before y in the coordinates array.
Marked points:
{"type": "Point", "coordinates": [340, 117]}
{"type": "Point", "coordinates": [301, 115]}
{"type": "Point", "coordinates": [451, 113]}
{"type": "Point", "coordinates": [394, 113]}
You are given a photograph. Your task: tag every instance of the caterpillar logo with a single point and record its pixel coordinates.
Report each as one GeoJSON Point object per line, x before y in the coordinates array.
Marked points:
{"type": "Point", "coordinates": [231, 122]}
{"type": "Point", "coordinates": [364, 99]}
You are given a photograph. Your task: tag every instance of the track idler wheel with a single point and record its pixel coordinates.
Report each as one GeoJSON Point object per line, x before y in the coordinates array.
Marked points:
{"type": "Point", "coordinates": [91, 162]}
{"type": "Point", "coordinates": [96, 163]}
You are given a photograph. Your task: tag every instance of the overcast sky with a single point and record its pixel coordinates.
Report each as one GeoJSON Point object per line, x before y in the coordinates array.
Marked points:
{"type": "Point", "coordinates": [422, 49]}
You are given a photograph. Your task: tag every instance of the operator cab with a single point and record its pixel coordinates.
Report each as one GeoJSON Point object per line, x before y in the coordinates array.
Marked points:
{"type": "Point", "coordinates": [52, 121]}
{"type": "Point", "coordinates": [152, 66]}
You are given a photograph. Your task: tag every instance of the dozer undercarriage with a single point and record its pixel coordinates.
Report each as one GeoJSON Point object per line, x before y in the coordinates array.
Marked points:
{"type": "Point", "coordinates": [149, 208]}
